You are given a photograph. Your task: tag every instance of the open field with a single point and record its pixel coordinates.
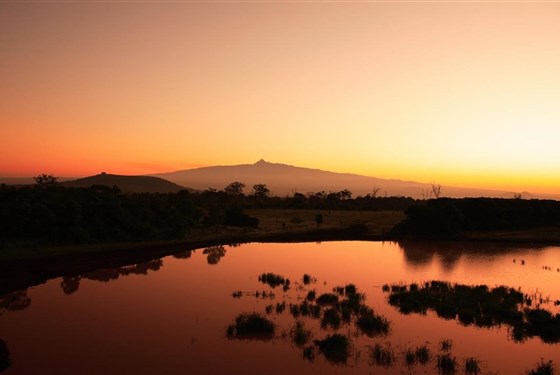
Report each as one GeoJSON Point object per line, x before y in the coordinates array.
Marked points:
{"type": "Point", "coordinates": [290, 220]}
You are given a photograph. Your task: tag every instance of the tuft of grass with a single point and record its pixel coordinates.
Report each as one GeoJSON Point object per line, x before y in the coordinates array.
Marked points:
{"type": "Point", "coordinates": [327, 299]}
{"type": "Point", "coordinates": [350, 289]}
{"type": "Point", "coordinates": [309, 353]}
{"type": "Point", "coordinates": [446, 345]}
{"type": "Point", "coordinates": [409, 357]}
{"type": "Point", "coordinates": [472, 366]}
{"type": "Point", "coordinates": [372, 324]}
{"type": "Point", "coordinates": [446, 364]}
{"type": "Point", "coordinates": [280, 307]}
{"type": "Point", "coordinates": [308, 279]}
{"type": "Point", "coordinates": [331, 317]}
{"type": "Point", "coordinates": [383, 355]}
{"type": "Point", "coordinates": [300, 335]}
{"type": "Point", "coordinates": [251, 325]}
{"type": "Point", "coordinates": [422, 354]}
{"type": "Point", "coordinates": [311, 295]}
{"type": "Point", "coordinates": [335, 348]}
{"type": "Point", "coordinates": [273, 280]}
{"type": "Point", "coordinates": [542, 368]}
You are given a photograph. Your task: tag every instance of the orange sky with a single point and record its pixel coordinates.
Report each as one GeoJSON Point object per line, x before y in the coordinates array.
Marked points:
{"type": "Point", "coordinates": [454, 92]}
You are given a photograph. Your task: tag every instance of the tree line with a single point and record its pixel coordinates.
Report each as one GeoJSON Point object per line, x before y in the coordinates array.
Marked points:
{"type": "Point", "coordinates": [449, 216]}
{"type": "Point", "coordinates": [50, 213]}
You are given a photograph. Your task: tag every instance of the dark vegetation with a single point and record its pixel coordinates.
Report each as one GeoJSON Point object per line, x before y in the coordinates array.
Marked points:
{"type": "Point", "coordinates": [4, 356]}
{"type": "Point", "coordinates": [480, 306]}
{"type": "Point", "coordinates": [274, 280]}
{"type": "Point", "coordinates": [251, 326]}
{"type": "Point", "coordinates": [49, 213]}
{"type": "Point", "coordinates": [383, 355]}
{"type": "Point", "coordinates": [446, 216]}
{"type": "Point", "coordinates": [542, 368]}
{"type": "Point", "coordinates": [341, 309]}
{"type": "Point", "coordinates": [335, 348]}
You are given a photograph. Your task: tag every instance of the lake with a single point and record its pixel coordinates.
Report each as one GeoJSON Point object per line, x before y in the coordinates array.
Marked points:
{"type": "Point", "coordinates": [171, 315]}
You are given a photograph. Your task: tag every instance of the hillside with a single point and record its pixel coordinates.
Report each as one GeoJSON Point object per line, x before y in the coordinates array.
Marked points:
{"type": "Point", "coordinates": [128, 184]}
{"type": "Point", "coordinates": [284, 179]}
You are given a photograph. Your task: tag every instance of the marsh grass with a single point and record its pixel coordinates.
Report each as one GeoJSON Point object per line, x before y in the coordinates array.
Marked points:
{"type": "Point", "coordinates": [472, 366]}
{"type": "Point", "coordinates": [372, 324]}
{"type": "Point", "coordinates": [446, 364]}
{"type": "Point", "coordinates": [481, 306]}
{"type": "Point", "coordinates": [409, 357]}
{"type": "Point", "coordinates": [331, 318]}
{"type": "Point", "coordinates": [335, 348]}
{"type": "Point", "coordinates": [327, 299]}
{"type": "Point", "coordinates": [542, 368]}
{"type": "Point", "coordinates": [251, 326]}
{"type": "Point", "coordinates": [446, 345]}
{"type": "Point", "coordinates": [273, 280]}
{"type": "Point", "coordinates": [383, 355]}
{"type": "Point", "coordinates": [309, 353]}
{"type": "Point", "coordinates": [422, 354]}
{"type": "Point", "coordinates": [300, 334]}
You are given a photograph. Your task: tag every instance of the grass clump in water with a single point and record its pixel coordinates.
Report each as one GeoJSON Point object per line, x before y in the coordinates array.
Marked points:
{"type": "Point", "coordinates": [383, 355]}
{"type": "Point", "coordinates": [409, 357]}
{"type": "Point", "coordinates": [335, 348]}
{"type": "Point", "coordinates": [542, 368]}
{"type": "Point", "coordinates": [251, 325]}
{"type": "Point", "coordinates": [446, 345]}
{"type": "Point", "coordinates": [327, 299]}
{"type": "Point", "coordinates": [273, 280]}
{"type": "Point", "coordinates": [308, 279]}
{"type": "Point", "coordinates": [422, 354]}
{"type": "Point", "coordinates": [472, 366]}
{"type": "Point", "coordinates": [309, 353]}
{"type": "Point", "coordinates": [446, 364]}
{"type": "Point", "coordinates": [300, 335]}
{"type": "Point", "coordinates": [331, 318]}
{"type": "Point", "coordinates": [311, 295]}
{"type": "Point", "coordinates": [372, 324]}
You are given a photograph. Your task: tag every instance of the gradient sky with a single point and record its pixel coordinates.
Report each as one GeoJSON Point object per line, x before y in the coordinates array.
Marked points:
{"type": "Point", "coordinates": [458, 93]}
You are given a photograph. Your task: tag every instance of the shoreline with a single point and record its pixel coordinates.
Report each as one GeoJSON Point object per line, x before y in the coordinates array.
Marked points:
{"type": "Point", "coordinates": [35, 266]}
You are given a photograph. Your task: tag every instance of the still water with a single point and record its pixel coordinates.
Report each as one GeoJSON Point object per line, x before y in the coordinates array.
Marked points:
{"type": "Point", "coordinates": [170, 315]}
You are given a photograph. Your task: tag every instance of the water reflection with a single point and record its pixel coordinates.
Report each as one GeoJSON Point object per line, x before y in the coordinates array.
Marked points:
{"type": "Point", "coordinates": [71, 284]}
{"type": "Point", "coordinates": [481, 306]}
{"type": "Point", "coordinates": [184, 254]}
{"type": "Point", "coordinates": [214, 254]}
{"type": "Point", "coordinates": [342, 308]}
{"type": "Point", "coordinates": [322, 323]}
{"type": "Point", "coordinates": [420, 254]}
{"type": "Point", "coordinates": [14, 301]}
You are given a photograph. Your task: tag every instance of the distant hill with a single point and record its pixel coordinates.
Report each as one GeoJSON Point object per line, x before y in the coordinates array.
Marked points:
{"type": "Point", "coordinates": [284, 179]}
{"type": "Point", "coordinates": [128, 184]}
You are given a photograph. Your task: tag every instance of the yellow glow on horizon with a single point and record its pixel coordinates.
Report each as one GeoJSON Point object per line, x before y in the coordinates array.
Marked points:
{"type": "Point", "coordinates": [463, 94]}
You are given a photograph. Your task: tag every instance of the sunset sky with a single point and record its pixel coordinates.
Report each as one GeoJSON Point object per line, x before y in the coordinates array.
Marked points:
{"type": "Point", "coordinates": [458, 93]}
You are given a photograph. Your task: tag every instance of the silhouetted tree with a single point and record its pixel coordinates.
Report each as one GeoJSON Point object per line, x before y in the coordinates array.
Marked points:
{"type": "Point", "coordinates": [45, 179]}
{"type": "Point", "coordinates": [235, 188]}
{"type": "Point", "coordinates": [345, 194]}
{"type": "Point", "coordinates": [261, 191]}
{"type": "Point", "coordinates": [214, 254]}
{"type": "Point", "coordinates": [436, 190]}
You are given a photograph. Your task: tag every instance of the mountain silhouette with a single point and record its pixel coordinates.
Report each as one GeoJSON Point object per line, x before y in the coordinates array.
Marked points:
{"type": "Point", "coordinates": [283, 179]}
{"type": "Point", "coordinates": [128, 184]}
